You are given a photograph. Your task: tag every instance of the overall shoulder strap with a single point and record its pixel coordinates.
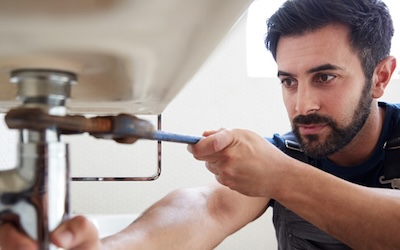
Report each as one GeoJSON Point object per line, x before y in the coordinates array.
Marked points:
{"type": "Point", "coordinates": [391, 165]}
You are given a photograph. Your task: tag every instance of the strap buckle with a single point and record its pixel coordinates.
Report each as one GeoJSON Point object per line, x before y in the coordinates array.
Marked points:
{"type": "Point", "coordinates": [395, 182]}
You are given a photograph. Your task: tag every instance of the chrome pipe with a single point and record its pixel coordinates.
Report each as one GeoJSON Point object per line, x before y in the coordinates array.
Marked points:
{"type": "Point", "coordinates": [34, 196]}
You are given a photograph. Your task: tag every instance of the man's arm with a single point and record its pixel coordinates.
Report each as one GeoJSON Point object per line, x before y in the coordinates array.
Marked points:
{"type": "Point", "coordinates": [361, 217]}
{"type": "Point", "coordinates": [197, 218]}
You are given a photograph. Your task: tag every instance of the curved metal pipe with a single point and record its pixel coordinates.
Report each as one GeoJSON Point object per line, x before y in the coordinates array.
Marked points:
{"type": "Point", "coordinates": [34, 195]}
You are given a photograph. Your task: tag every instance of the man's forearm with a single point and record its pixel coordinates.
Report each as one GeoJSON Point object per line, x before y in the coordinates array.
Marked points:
{"type": "Point", "coordinates": [362, 217]}
{"type": "Point", "coordinates": [178, 221]}
{"type": "Point", "coordinates": [197, 218]}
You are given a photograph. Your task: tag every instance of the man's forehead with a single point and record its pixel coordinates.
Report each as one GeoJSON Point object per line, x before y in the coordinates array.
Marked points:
{"type": "Point", "coordinates": [333, 31]}
{"type": "Point", "coordinates": [329, 45]}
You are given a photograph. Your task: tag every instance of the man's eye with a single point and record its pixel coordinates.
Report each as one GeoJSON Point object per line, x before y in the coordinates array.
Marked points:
{"type": "Point", "coordinates": [325, 77]}
{"type": "Point", "coordinates": [288, 82]}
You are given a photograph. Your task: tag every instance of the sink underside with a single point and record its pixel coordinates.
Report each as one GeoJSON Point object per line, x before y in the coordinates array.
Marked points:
{"type": "Point", "coordinates": [130, 56]}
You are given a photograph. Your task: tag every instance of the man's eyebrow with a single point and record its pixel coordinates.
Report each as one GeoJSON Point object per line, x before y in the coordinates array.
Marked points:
{"type": "Point", "coordinates": [283, 73]}
{"type": "Point", "coordinates": [322, 67]}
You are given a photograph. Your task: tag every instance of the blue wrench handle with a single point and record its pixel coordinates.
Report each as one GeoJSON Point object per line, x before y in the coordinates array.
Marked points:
{"type": "Point", "coordinates": [165, 136]}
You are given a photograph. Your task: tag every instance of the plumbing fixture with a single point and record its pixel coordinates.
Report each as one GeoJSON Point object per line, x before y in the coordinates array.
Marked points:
{"type": "Point", "coordinates": [34, 195]}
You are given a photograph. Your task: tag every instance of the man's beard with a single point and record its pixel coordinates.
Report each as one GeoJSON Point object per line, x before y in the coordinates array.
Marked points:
{"type": "Point", "coordinates": [340, 136]}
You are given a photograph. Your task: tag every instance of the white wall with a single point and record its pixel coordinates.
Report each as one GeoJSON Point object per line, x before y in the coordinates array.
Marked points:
{"type": "Point", "coordinates": [220, 95]}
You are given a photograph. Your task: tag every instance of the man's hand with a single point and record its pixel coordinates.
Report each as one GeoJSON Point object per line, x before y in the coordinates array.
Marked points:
{"type": "Point", "coordinates": [241, 160]}
{"type": "Point", "coordinates": [77, 233]}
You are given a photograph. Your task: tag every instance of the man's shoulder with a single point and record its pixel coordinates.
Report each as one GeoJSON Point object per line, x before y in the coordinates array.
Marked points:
{"type": "Point", "coordinates": [390, 107]}
{"type": "Point", "coordinates": [392, 113]}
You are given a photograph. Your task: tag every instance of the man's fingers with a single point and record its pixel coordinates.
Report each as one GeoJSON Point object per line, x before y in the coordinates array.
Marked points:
{"type": "Point", "coordinates": [222, 140]}
{"type": "Point", "coordinates": [210, 132]}
{"type": "Point", "coordinates": [211, 144]}
{"type": "Point", "coordinates": [77, 233]}
{"type": "Point", "coordinates": [11, 238]}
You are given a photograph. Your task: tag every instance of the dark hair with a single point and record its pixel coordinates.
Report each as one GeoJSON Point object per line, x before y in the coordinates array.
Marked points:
{"type": "Point", "coordinates": [369, 21]}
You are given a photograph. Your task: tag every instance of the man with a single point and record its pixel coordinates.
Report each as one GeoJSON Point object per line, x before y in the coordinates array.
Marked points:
{"type": "Point", "coordinates": [333, 61]}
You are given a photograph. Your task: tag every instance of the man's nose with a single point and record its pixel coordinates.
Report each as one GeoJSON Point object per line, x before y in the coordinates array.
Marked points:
{"type": "Point", "coordinates": [307, 99]}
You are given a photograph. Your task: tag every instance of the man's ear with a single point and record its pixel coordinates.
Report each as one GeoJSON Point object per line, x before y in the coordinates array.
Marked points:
{"type": "Point", "coordinates": [382, 75]}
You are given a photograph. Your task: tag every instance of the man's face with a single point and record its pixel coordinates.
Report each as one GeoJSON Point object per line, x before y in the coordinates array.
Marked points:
{"type": "Point", "coordinates": [324, 89]}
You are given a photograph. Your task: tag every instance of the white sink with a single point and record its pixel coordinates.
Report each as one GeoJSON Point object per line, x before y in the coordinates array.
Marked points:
{"type": "Point", "coordinates": [129, 55]}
